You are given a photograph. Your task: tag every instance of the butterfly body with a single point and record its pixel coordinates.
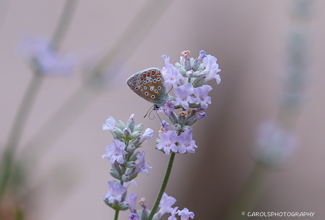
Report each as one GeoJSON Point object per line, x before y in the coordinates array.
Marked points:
{"type": "Point", "coordinates": [149, 84]}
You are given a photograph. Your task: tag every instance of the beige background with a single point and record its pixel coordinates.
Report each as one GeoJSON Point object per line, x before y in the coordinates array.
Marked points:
{"type": "Point", "coordinates": [247, 37]}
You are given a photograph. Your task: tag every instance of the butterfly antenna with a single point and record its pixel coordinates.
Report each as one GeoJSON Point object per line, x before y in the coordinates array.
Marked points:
{"type": "Point", "coordinates": [151, 118]}
{"type": "Point", "coordinates": [148, 112]}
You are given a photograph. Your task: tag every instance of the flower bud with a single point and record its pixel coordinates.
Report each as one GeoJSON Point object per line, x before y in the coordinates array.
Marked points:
{"type": "Point", "coordinates": [136, 134]}
{"type": "Point", "coordinates": [129, 176]}
{"type": "Point", "coordinates": [134, 156]}
{"type": "Point", "coordinates": [191, 121]}
{"type": "Point", "coordinates": [199, 81]}
{"type": "Point", "coordinates": [126, 132]}
{"type": "Point", "coordinates": [187, 64]}
{"type": "Point", "coordinates": [130, 123]}
{"type": "Point", "coordinates": [190, 73]}
{"type": "Point", "coordinates": [184, 128]}
{"type": "Point", "coordinates": [182, 71]}
{"type": "Point", "coordinates": [118, 132]}
{"type": "Point", "coordinates": [177, 127]}
{"type": "Point", "coordinates": [120, 125]}
{"type": "Point", "coordinates": [182, 117]}
{"type": "Point", "coordinates": [138, 127]}
{"type": "Point", "coordinates": [173, 118]}
{"type": "Point", "coordinates": [114, 174]}
{"type": "Point", "coordinates": [130, 164]}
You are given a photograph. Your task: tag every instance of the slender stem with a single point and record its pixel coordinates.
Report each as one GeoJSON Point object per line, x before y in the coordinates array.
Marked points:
{"type": "Point", "coordinates": [64, 22]}
{"type": "Point", "coordinates": [133, 34]}
{"type": "Point", "coordinates": [16, 130]}
{"type": "Point", "coordinates": [163, 185]}
{"type": "Point", "coordinates": [251, 193]}
{"type": "Point", "coordinates": [116, 214]}
{"type": "Point", "coordinates": [85, 95]}
{"type": "Point", "coordinates": [27, 102]}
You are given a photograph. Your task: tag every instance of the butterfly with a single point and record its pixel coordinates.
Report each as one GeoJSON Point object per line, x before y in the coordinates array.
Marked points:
{"type": "Point", "coordinates": [149, 84]}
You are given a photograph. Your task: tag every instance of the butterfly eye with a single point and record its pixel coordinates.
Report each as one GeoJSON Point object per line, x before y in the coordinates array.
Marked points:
{"type": "Point", "coordinates": [158, 79]}
{"type": "Point", "coordinates": [159, 87]}
{"type": "Point", "coordinates": [136, 88]}
{"type": "Point", "coordinates": [145, 88]}
{"type": "Point", "coordinates": [153, 96]}
{"type": "Point", "coordinates": [146, 93]}
{"type": "Point", "coordinates": [154, 81]}
{"type": "Point", "coordinates": [156, 91]}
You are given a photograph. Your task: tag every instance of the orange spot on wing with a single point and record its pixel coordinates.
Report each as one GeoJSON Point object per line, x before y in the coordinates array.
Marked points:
{"type": "Point", "coordinates": [159, 73]}
{"type": "Point", "coordinates": [148, 74]}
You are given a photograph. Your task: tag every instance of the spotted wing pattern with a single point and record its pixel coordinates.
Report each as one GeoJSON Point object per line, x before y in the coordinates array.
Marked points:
{"type": "Point", "coordinates": [149, 84]}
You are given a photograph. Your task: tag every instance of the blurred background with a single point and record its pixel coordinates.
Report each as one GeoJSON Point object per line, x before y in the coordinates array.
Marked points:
{"type": "Point", "coordinates": [68, 178]}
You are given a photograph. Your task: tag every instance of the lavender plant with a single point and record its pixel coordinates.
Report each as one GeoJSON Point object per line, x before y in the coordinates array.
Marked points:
{"type": "Point", "coordinates": [188, 79]}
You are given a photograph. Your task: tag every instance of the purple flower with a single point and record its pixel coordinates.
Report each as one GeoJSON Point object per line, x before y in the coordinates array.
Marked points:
{"type": "Point", "coordinates": [274, 143]}
{"type": "Point", "coordinates": [142, 165]}
{"type": "Point", "coordinates": [185, 214]}
{"type": "Point", "coordinates": [127, 184]}
{"type": "Point", "coordinates": [168, 108]}
{"type": "Point", "coordinates": [184, 95]}
{"type": "Point", "coordinates": [201, 94]}
{"type": "Point", "coordinates": [167, 142]}
{"type": "Point", "coordinates": [115, 192]}
{"type": "Point", "coordinates": [134, 216]}
{"type": "Point", "coordinates": [210, 63]}
{"type": "Point", "coordinates": [165, 126]}
{"type": "Point", "coordinates": [186, 142]}
{"type": "Point", "coordinates": [170, 73]}
{"type": "Point", "coordinates": [200, 115]}
{"type": "Point", "coordinates": [147, 135]}
{"type": "Point", "coordinates": [165, 204]}
{"type": "Point", "coordinates": [115, 152]}
{"type": "Point", "coordinates": [173, 213]}
{"type": "Point", "coordinates": [202, 55]}
{"type": "Point", "coordinates": [110, 124]}
{"type": "Point", "coordinates": [132, 198]}
{"type": "Point", "coordinates": [44, 59]}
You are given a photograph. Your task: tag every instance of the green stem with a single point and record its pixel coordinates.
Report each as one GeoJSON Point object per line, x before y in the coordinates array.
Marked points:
{"type": "Point", "coordinates": [116, 214]}
{"type": "Point", "coordinates": [16, 130]}
{"type": "Point", "coordinates": [63, 24]}
{"type": "Point", "coordinates": [163, 185]}
{"type": "Point", "coordinates": [250, 194]}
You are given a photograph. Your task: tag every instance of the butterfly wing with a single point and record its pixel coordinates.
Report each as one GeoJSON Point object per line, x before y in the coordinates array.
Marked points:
{"type": "Point", "coordinates": [149, 84]}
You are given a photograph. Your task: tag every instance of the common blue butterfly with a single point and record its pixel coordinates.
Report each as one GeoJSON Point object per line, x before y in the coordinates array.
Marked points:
{"type": "Point", "coordinates": [149, 84]}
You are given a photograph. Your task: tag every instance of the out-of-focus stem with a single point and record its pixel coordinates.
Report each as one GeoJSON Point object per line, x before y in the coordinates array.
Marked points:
{"type": "Point", "coordinates": [134, 33]}
{"type": "Point", "coordinates": [85, 95]}
{"type": "Point", "coordinates": [250, 194]}
{"type": "Point", "coordinates": [28, 101]}
{"type": "Point", "coordinates": [16, 130]}
{"type": "Point", "coordinates": [64, 22]}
